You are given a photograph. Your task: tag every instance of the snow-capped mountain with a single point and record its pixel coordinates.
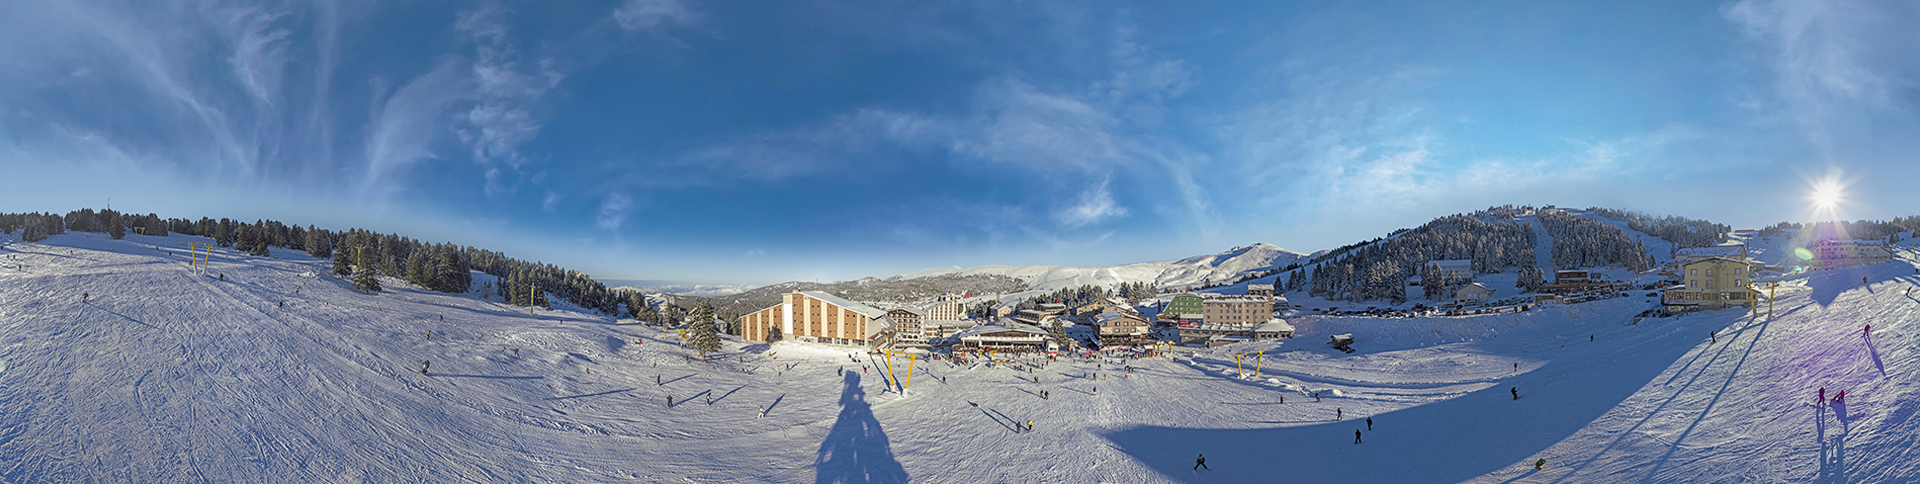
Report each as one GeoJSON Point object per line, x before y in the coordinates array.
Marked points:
{"type": "Point", "coordinates": [1191, 271]}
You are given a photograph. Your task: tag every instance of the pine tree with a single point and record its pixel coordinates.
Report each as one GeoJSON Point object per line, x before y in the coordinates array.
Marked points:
{"type": "Point", "coordinates": [364, 276]}
{"type": "Point", "coordinates": [1059, 331]}
{"type": "Point", "coordinates": [703, 334]}
{"type": "Point", "coordinates": [116, 226]}
{"type": "Point", "coordinates": [417, 270]}
{"type": "Point", "coordinates": [342, 268]}
{"type": "Point", "coordinates": [318, 245]}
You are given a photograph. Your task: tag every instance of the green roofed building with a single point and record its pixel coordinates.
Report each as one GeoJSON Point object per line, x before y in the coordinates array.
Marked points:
{"type": "Point", "coordinates": [1184, 304]}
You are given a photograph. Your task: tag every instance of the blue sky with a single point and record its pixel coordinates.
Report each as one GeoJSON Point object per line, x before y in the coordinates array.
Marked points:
{"type": "Point", "coordinates": [760, 142]}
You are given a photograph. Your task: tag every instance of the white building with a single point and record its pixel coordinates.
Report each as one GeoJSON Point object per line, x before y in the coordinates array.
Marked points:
{"type": "Point", "coordinates": [1472, 293]}
{"type": "Point", "coordinates": [1830, 254]}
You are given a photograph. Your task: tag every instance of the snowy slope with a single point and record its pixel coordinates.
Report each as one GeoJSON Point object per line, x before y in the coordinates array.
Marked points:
{"type": "Point", "coordinates": [168, 375]}
{"type": "Point", "coordinates": [1191, 271]}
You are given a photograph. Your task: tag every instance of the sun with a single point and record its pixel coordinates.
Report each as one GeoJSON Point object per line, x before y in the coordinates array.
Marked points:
{"type": "Point", "coordinates": [1826, 194]}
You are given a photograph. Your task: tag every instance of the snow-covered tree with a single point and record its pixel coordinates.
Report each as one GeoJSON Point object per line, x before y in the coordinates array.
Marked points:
{"type": "Point", "coordinates": [703, 334]}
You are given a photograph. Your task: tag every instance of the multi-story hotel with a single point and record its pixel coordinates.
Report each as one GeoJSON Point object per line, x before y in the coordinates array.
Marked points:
{"type": "Point", "coordinates": [1829, 254]}
{"type": "Point", "coordinates": [818, 317]}
{"type": "Point", "coordinates": [1237, 311]}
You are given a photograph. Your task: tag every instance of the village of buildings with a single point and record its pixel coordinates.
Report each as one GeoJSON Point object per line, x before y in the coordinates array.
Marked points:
{"type": "Point", "coordinates": [1696, 279]}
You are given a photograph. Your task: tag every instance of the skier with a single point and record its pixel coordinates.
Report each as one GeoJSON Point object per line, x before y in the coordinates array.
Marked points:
{"type": "Point", "coordinates": [1515, 391]}
{"type": "Point", "coordinates": [1867, 332]}
{"type": "Point", "coordinates": [1199, 462]}
{"type": "Point", "coordinates": [1540, 464]}
{"type": "Point", "coordinates": [1339, 414]}
{"type": "Point", "coordinates": [1369, 423]}
{"type": "Point", "coordinates": [85, 296]}
{"type": "Point", "coordinates": [424, 365]}
{"type": "Point", "coordinates": [1715, 335]}
{"type": "Point", "coordinates": [1356, 436]}
{"type": "Point", "coordinates": [1842, 397]}
{"type": "Point", "coordinates": [1029, 425]}
{"type": "Point", "coordinates": [669, 401]}
{"type": "Point", "coordinates": [1823, 396]}
{"type": "Point", "coordinates": [1316, 397]}
{"type": "Point", "coordinates": [1516, 367]}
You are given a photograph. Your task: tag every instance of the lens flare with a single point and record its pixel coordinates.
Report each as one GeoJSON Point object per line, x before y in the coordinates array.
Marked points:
{"type": "Point", "coordinates": [1803, 253]}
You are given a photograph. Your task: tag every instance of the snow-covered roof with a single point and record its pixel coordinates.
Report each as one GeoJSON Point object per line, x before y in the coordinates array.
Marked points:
{"type": "Point", "coordinates": [1723, 259]}
{"type": "Point", "coordinates": [1260, 286]}
{"type": "Point", "coordinates": [868, 311]}
{"type": "Point", "coordinates": [1474, 285]}
{"type": "Point", "coordinates": [995, 328]}
{"type": "Point", "coordinates": [1713, 251]}
{"type": "Point", "coordinates": [1274, 325]}
{"type": "Point", "coordinates": [1102, 318]}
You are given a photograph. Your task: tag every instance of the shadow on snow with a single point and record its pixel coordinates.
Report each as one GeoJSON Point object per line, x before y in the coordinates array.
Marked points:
{"type": "Point", "coordinates": [856, 449]}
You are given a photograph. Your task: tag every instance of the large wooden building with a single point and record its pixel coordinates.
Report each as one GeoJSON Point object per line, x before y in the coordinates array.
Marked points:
{"type": "Point", "coordinates": [818, 317]}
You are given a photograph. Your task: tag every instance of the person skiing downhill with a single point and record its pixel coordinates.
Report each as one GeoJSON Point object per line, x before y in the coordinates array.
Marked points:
{"type": "Point", "coordinates": [1515, 391]}
{"type": "Point", "coordinates": [1823, 396]}
{"type": "Point", "coordinates": [1200, 462]}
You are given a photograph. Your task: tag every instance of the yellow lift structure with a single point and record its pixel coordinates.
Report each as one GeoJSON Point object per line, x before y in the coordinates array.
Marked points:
{"type": "Point", "coordinates": [1259, 357]}
{"type": "Point", "coordinates": [911, 358]}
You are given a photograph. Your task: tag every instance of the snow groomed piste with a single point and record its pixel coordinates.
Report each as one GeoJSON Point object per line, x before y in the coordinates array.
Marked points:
{"type": "Point", "coordinates": [271, 370]}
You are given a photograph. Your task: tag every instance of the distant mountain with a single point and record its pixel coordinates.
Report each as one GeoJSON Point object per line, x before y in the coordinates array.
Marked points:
{"type": "Point", "coordinates": [1191, 271]}
{"type": "Point", "coordinates": [695, 290]}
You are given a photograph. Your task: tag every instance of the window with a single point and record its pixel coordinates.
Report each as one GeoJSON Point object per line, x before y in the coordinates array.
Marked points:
{"type": "Point", "coordinates": [1736, 271]}
{"type": "Point", "coordinates": [1709, 272]}
{"type": "Point", "coordinates": [1693, 272]}
{"type": "Point", "coordinates": [1709, 281]}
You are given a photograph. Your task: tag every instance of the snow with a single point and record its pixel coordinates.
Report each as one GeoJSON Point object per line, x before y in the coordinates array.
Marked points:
{"type": "Point", "coordinates": [169, 374]}
{"type": "Point", "coordinates": [1190, 271]}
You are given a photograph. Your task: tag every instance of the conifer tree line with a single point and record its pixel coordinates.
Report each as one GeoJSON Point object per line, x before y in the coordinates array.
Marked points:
{"type": "Point", "coordinates": [443, 267]}
{"type": "Point", "coordinates": [1380, 268]}
{"type": "Point", "coordinates": [1584, 242]}
{"type": "Point", "coordinates": [1682, 231]}
{"type": "Point", "coordinates": [1074, 297]}
{"type": "Point", "coordinates": [1855, 229]}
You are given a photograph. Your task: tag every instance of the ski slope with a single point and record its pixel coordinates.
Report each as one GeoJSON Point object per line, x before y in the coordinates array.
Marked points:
{"type": "Point", "coordinates": [165, 374]}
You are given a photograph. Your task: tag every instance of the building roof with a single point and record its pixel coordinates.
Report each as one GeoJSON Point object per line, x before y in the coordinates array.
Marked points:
{"type": "Point", "coordinates": [1723, 259]}
{"type": "Point", "coordinates": [1469, 285]}
{"type": "Point", "coordinates": [1102, 318]}
{"type": "Point", "coordinates": [1713, 251]}
{"type": "Point", "coordinates": [868, 311]}
{"type": "Point", "coordinates": [995, 328]}
{"type": "Point", "coordinates": [1260, 286]}
{"type": "Point", "coordinates": [1274, 325]}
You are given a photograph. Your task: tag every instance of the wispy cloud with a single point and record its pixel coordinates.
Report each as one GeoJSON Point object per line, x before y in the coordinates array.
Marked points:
{"type": "Point", "coordinates": [651, 14]}
{"type": "Point", "coordinates": [1838, 67]}
{"type": "Point", "coordinates": [507, 89]}
{"type": "Point", "coordinates": [402, 132]}
{"type": "Point", "coordinates": [613, 212]}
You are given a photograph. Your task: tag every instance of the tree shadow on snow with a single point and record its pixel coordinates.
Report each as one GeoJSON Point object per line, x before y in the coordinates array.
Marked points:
{"type": "Point", "coordinates": [856, 448]}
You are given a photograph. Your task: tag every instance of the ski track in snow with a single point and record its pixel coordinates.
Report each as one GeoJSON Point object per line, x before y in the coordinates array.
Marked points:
{"type": "Point", "coordinates": [166, 374]}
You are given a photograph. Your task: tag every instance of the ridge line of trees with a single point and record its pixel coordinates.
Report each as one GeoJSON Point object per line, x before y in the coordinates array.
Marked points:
{"type": "Point", "coordinates": [443, 267]}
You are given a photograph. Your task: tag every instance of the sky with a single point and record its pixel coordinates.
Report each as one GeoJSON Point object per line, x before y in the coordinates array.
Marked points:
{"type": "Point", "coordinates": [759, 142]}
